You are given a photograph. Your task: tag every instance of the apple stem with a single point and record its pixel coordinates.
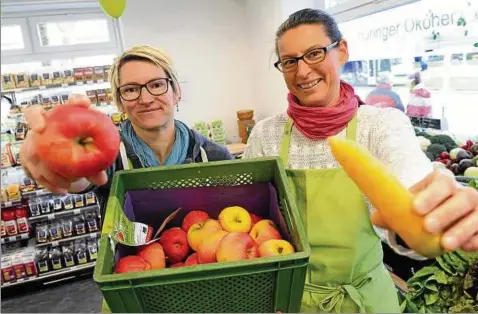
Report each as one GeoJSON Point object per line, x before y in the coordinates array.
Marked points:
{"type": "Point", "coordinates": [280, 250]}
{"type": "Point", "coordinates": [86, 140]}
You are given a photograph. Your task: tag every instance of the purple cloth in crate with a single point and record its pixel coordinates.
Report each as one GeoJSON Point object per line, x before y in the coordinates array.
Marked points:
{"type": "Point", "coordinates": [153, 206]}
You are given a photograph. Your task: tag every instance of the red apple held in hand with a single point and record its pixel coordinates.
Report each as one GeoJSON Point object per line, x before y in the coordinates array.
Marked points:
{"type": "Point", "coordinates": [175, 245]}
{"type": "Point", "coordinates": [255, 219]}
{"type": "Point", "coordinates": [237, 246]}
{"type": "Point", "coordinates": [180, 264]}
{"type": "Point", "coordinates": [208, 247]}
{"type": "Point", "coordinates": [275, 247]}
{"type": "Point", "coordinates": [153, 253]}
{"type": "Point", "coordinates": [265, 230]}
{"type": "Point", "coordinates": [77, 142]}
{"type": "Point", "coordinates": [194, 217]}
{"type": "Point", "coordinates": [131, 264]}
{"type": "Point", "coordinates": [192, 260]}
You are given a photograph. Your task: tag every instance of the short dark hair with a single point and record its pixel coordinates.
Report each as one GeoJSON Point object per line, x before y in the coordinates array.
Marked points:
{"type": "Point", "coordinates": [309, 16]}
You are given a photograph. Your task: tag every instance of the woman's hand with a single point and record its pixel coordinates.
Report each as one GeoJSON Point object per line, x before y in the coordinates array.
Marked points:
{"type": "Point", "coordinates": [36, 118]}
{"type": "Point", "coordinates": [450, 208]}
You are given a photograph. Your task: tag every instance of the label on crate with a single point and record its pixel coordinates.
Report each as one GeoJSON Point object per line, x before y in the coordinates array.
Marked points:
{"type": "Point", "coordinates": [135, 233]}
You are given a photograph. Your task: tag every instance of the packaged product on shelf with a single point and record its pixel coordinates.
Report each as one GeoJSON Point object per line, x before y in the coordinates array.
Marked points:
{"type": "Point", "coordinates": [79, 225]}
{"type": "Point", "coordinates": [57, 78]}
{"type": "Point", "coordinates": [80, 252]}
{"type": "Point", "coordinates": [64, 98]}
{"type": "Point", "coordinates": [46, 103]}
{"type": "Point", "coordinates": [92, 96]}
{"type": "Point", "coordinates": [4, 195]}
{"type": "Point", "coordinates": [27, 184]}
{"type": "Point", "coordinates": [109, 95]}
{"type": "Point", "coordinates": [55, 203]}
{"type": "Point", "coordinates": [35, 101]}
{"type": "Point", "coordinates": [35, 80]}
{"type": "Point", "coordinates": [68, 77]}
{"type": "Point", "coordinates": [18, 266]}
{"type": "Point", "coordinates": [116, 118]}
{"type": "Point", "coordinates": [55, 100]}
{"type": "Point", "coordinates": [99, 74]}
{"type": "Point", "coordinates": [55, 231]}
{"type": "Point", "coordinates": [46, 79]}
{"type": "Point", "coordinates": [90, 198]}
{"type": "Point", "coordinates": [42, 233]}
{"type": "Point", "coordinates": [22, 220]}
{"type": "Point", "coordinates": [21, 131]}
{"type": "Point", "coordinates": [22, 80]}
{"type": "Point", "coordinates": [7, 81]}
{"type": "Point", "coordinates": [79, 200]}
{"type": "Point", "coordinates": [56, 257]}
{"type": "Point", "coordinates": [29, 261]}
{"type": "Point", "coordinates": [8, 273]}
{"type": "Point", "coordinates": [44, 206]}
{"type": "Point", "coordinates": [3, 232]}
{"type": "Point", "coordinates": [7, 155]}
{"type": "Point", "coordinates": [68, 251]}
{"type": "Point", "coordinates": [101, 97]}
{"type": "Point", "coordinates": [67, 227]}
{"type": "Point", "coordinates": [68, 202]}
{"type": "Point", "coordinates": [13, 191]}
{"type": "Point", "coordinates": [89, 75]}
{"type": "Point", "coordinates": [16, 153]}
{"type": "Point", "coordinates": [43, 259]}
{"type": "Point", "coordinates": [78, 75]}
{"type": "Point", "coordinates": [10, 220]}
{"type": "Point", "coordinates": [92, 249]}
{"type": "Point", "coordinates": [106, 71]}
{"type": "Point", "coordinates": [34, 206]}
{"type": "Point", "coordinates": [91, 217]}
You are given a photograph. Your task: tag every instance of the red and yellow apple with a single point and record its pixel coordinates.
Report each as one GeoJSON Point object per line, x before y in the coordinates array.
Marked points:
{"type": "Point", "coordinates": [265, 230]}
{"type": "Point", "coordinates": [235, 219]}
{"type": "Point", "coordinates": [208, 247]}
{"type": "Point", "coordinates": [77, 141]}
{"type": "Point", "coordinates": [153, 253]}
{"type": "Point", "coordinates": [275, 247]}
{"type": "Point", "coordinates": [130, 264]}
{"type": "Point", "coordinates": [191, 260]}
{"type": "Point", "coordinates": [175, 244]}
{"type": "Point", "coordinates": [236, 246]}
{"type": "Point", "coordinates": [192, 218]}
{"type": "Point", "coordinates": [200, 231]}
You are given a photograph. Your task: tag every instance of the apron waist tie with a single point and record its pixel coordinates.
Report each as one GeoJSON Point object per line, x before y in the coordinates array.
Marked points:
{"type": "Point", "coordinates": [331, 298]}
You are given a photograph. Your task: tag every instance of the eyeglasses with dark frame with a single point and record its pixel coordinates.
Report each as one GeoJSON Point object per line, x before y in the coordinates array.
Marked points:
{"type": "Point", "coordinates": [313, 56]}
{"type": "Point", "coordinates": [155, 87]}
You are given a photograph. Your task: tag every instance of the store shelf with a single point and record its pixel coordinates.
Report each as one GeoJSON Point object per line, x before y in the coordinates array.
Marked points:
{"type": "Point", "coordinates": [92, 235]}
{"type": "Point", "coordinates": [13, 203]}
{"type": "Point", "coordinates": [53, 86]}
{"type": "Point", "coordinates": [63, 213]}
{"type": "Point", "coordinates": [41, 192]}
{"type": "Point", "coordinates": [18, 237]}
{"type": "Point", "coordinates": [50, 274]}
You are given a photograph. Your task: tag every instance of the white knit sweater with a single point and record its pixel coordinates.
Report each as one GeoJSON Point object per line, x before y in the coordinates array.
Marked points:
{"type": "Point", "coordinates": [386, 132]}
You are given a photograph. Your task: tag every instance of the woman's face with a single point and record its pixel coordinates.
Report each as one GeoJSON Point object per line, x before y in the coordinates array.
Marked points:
{"type": "Point", "coordinates": [316, 84]}
{"type": "Point", "coordinates": [148, 112]}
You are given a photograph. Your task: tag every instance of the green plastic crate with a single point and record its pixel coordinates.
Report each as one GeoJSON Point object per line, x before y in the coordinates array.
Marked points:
{"type": "Point", "coordinates": [258, 285]}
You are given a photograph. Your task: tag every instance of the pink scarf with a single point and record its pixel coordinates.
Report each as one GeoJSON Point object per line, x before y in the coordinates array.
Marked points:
{"type": "Point", "coordinates": [322, 122]}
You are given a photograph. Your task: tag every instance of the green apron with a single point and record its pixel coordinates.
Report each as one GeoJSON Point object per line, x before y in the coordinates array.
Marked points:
{"type": "Point", "coordinates": [346, 271]}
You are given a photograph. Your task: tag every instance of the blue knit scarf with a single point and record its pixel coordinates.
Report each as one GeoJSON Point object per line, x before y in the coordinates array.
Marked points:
{"type": "Point", "coordinates": [146, 154]}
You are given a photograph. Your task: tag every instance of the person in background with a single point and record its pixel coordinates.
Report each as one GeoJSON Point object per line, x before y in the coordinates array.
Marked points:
{"type": "Point", "coordinates": [346, 271]}
{"type": "Point", "coordinates": [383, 96]}
{"type": "Point", "coordinates": [145, 87]}
{"type": "Point", "coordinates": [419, 102]}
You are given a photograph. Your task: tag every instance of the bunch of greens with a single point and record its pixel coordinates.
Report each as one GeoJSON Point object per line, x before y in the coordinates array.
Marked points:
{"type": "Point", "coordinates": [449, 285]}
{"type": "Point", "coordinates": [474, 183]}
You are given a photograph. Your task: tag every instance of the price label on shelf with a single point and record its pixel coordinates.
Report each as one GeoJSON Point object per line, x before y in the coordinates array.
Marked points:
{"type": "Point", "coordinates": [55, 243]}
{"type": "Point", "coordinates": [51, 217]}
{"type": "Point", "coordinates": [101, 81]}
{"type": "Point", "coordinates": [24, 236]}
{"type": "Point", "coordinates": [89, 82]}
{"type": "Point", "coordinates": [79, 83]}
{"type": "Point", "coordinates": [12, 239]}
{"type": "Point", "coordinates": [93, 235]}
{"type": "Point", "coordinates": [42, 87]}
{"type": "Point", "coordinates": [77, 211]}
{"type": "Point", "coordinates": [8, 204]}
{"type": "Point", "coordinates": [64, 85]}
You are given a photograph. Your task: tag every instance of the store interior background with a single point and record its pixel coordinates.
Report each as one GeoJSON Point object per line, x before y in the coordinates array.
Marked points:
{"type": "Point", "coordinates": [223, 51]}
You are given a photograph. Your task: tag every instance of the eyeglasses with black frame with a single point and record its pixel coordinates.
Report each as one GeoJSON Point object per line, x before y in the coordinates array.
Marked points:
{"type": "Point", "coordinates": [313, 56]}
{"type": "Point", "coordinates": [155, 87]}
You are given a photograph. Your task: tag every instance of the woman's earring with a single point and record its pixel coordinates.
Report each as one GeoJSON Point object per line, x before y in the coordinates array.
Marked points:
{"type": "Point", "coordinates": [177, 107]}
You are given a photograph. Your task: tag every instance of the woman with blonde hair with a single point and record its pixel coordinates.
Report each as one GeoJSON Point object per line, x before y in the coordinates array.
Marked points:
{"type": "Point", "coordinates": [145, 87]}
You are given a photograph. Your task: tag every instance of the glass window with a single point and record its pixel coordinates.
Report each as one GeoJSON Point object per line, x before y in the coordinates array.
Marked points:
{"type": "Point", "coordinates": [73, 32]}
{"type": "Point", "coordinates": [12, 37]}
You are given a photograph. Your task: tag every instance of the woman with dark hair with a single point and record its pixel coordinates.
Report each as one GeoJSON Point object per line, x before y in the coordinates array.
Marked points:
{"type": "Point", "coordinates": [346, 271]}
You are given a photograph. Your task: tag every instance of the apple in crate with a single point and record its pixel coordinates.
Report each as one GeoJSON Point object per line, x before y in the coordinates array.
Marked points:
{"type": "Point", "coordinates": [153, 253]}
{"type": "Point", "coordinates": [194, 217]}
{"type": "Point", "coordinates": [235, 219]}
{"type": "Point", "coordinates": [255, 219]}
{"type": "Point", "coordinates": [265, 230]}
{"type": "Point", "coordinates": [77, 141]}
{"type": "Point", "coordinates": [192, 260]}
{"type": "Point", "coordinates": [200, 231]}
{"type": "Point", "coordinates": [175, 245]}
{"type": "Point", "coordinates": [180, 264]}
{"type": "Point", "coordinates": [236, 246]}
{"type": "Point", "coordinates": [130, 264]}
{"type": "Point", "coordinates": [275, 247]}
{"type": "Point", "coordinates": [208, 247]}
